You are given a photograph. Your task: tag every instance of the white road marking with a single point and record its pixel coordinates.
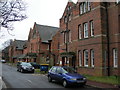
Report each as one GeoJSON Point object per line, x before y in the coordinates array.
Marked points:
{"type": "Point", "coordinates": [29, 81]}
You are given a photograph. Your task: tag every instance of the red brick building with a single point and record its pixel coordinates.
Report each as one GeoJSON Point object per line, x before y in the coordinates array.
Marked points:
{"type": "Point", "coordinates": [16, 50]}
{"type": "Point", "coordinates": [39, 43]}
{"type": "Point", "coordinates": [90, 37]}
{"type": "Point", "coordinates": [55, 48]}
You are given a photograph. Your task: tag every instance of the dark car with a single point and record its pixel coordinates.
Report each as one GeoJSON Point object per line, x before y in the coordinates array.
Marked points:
{"type": "Point", "coordinates": [66, 75]}
{"type": "Point", "coordinates": [25, 67]}
{"type": "Point", "coordinates": [35, 65]}
{"type": "Point", "coordinates": [3, 61]}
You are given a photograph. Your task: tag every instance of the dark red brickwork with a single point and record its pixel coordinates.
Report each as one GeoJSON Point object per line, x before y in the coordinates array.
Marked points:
{"type": "Point", "coordinates": [106, 34]}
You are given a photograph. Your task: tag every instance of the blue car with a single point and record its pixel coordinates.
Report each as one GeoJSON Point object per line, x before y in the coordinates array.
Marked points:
{"type": "Point", "coordinates": [66, 75]}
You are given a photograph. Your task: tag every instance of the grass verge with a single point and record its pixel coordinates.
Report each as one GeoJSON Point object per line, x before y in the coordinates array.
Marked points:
{"type": "Point", "coordinates": [105, 79]}
{"type": "Point", "coordinates": [37, 71]}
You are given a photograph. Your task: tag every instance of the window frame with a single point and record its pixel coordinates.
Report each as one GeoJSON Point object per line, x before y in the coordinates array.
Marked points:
{"type": "Point", "coordinates": [81, 8]}
{"type": "Point", "coordinates": [84, 7]}
{"type": "Point", "coordinates": [80, 58]}
{"type": "Point", "coordinates": [79, 32]}
{"type": "Point", "coordinates": [92, 54]}
{"type": "Point", "coordinates": [91, 28]}
{"type": "Point", "coordinates": [85, 27]}
{"type": "Point", "coordinates": [70, 36]}
{"type": "Point", "coordinates": [115, 58]}
{"type": "Point", "coordinates": [88, 6]}
{"type": "Point", "coordinates": [86, 59]}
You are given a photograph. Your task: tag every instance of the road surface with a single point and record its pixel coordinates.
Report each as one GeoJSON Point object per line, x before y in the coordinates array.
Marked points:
{"type": "Point", "coordinates": [15, 79]}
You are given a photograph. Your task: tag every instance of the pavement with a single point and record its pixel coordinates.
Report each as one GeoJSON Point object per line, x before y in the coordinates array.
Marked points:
{"type": "Point", "coordinates": [102, 85]}
{"type": "Point", "coordinates": [2, 84]}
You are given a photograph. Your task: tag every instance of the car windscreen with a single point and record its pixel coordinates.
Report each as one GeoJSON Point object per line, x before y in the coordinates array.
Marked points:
{"type": "Point", "coordinates": [68, 70]}
{"type": "Point", "coordinates": [26, 64]}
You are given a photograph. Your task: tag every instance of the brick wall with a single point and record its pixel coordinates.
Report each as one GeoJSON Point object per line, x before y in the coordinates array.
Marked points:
{"type": "Point", "coordinates": [100, 40]}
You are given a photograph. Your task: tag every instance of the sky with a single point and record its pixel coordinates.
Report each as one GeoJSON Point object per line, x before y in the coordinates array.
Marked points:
{"type": "Point", "coordinates": [44, 12]}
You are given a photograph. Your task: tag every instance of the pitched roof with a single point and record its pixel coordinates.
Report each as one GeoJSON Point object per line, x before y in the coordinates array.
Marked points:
{"type": "Point", "coordinates": [19, 44]}
{"type": "Point", "coordinates": [46, 32]}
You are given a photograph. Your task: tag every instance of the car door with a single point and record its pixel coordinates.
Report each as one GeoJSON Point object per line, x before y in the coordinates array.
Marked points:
{"type": "Point", "coordinates": [59, 75]}
{"type": "Point", "coordinates": [53, 73]}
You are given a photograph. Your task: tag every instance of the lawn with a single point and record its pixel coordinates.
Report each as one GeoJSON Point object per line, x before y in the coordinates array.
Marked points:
{"type": "Point", "coordinates": [37, 71]}
{"type": "Point", "coordinates": [105, 79]}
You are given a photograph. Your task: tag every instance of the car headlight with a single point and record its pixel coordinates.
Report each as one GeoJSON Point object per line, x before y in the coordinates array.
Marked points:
{"type": "Point", "coordinates": [24, 67]}
{"type": "Point", "coordinates": [33, 68]}
{"type": "Point", "coordinates": [84, 78]}
{"type": "Point", "coordinates": [74, 79]}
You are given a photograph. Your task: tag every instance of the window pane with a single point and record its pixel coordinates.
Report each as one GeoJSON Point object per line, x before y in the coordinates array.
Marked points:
{"type": "Point", "coordinates": [84, 7]}
{"type": "Point", "coordinates": [80, 58]}
{"type": "Point", "coordinates": [69, 36]}
{"type": "Point", "coordinates": [92, 58]}
{"type": "Point", "coordinates": [80, 32]}
{"type": "Point", "coordinates": [81, 8]}
{"type": "Point", "coordinates": [115, 58]}
{"type": "Point", "coordinates": [89, 6]}
{"type": "Point", "coordinates": [91, 28]}
{"type": "Point", "coordinates": [86, 58]}
{"type": "Point", "coordinates": [85, 30]}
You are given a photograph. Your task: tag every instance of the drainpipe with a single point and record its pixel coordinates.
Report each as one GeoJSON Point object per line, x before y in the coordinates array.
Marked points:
{"type": "Point", "coordinates": [108, 38]}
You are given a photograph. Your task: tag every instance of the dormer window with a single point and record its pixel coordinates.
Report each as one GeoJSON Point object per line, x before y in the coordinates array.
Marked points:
{"type": "Point", "coordinates": [69, 8]}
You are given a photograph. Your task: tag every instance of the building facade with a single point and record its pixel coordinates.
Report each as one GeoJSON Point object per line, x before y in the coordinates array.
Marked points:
{"type": "Point", "coordinates": [90, 38]}
{"type": "Point", "coordinates": [39, 43]}
{"type": "Point", "coordinates": [16, 50]}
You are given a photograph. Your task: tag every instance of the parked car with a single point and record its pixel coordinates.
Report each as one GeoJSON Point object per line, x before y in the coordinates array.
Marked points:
{"type": "Point", "coordinates": [35, 65]}
{"type": "Point", "coordinates": [3, 61]}
{"type": "Point", "coordinates": [25, 67]}
{"type": "Point", "coordinates": [66, 75]}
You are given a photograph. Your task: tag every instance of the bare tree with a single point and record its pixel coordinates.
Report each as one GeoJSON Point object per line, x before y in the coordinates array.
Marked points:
{"type": "Point", "coordinates": [7, 43]}
{"type": "Point", "coordinates": [11, 11]}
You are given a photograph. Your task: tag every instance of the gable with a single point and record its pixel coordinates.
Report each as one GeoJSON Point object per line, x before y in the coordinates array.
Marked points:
{"type": "Point", "coordinates": [69, 5]}
{"type": "Point", "coordinates": [46, 32]}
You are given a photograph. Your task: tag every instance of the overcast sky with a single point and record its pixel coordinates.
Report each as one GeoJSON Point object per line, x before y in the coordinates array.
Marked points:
{"type": "Point", "coordinates": [44, 12]}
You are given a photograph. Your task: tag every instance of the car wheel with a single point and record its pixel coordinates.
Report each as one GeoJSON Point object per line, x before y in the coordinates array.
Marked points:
{"type": "Point", "coordinates": [65, 84]}
{"type": "Point", "coordinates": [21, 70]}
{"type": "Point", "coordinates": [49, 79]}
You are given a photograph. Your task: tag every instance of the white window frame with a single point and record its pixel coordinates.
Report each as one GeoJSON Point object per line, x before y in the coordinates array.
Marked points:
{"type": "Point", "coordinates": [92, 58]}
{"type": "Point", "coordinates": [92, 28]}
{"type": "Point", "coordinates": [80, 32]}
{"type": "Point", "coordinates": [85, 30]}
{"type": "Point", "coordinates": [86, 58]}
{"type": "Point", "coordinates": [115, 58]}
{"type": "Point", "coordinates": [80, 58]}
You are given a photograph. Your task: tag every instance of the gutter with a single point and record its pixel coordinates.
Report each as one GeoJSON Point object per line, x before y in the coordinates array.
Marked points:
{"type": "Point", "coordinates": [108, 39]}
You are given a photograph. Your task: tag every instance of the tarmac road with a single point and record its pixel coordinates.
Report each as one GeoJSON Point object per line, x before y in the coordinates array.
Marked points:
{"type": "Point", "coordinates": [15, 79]}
